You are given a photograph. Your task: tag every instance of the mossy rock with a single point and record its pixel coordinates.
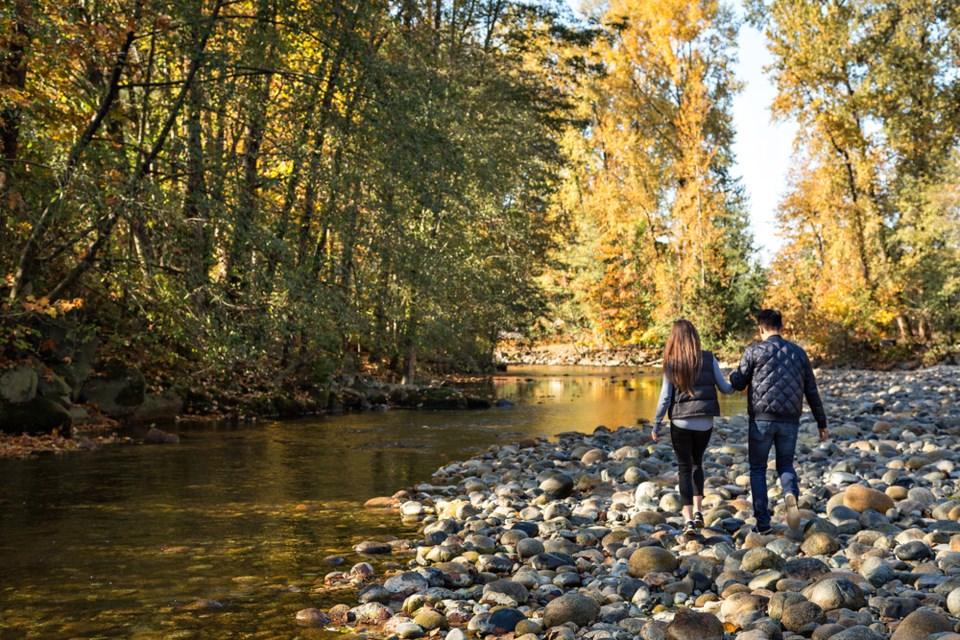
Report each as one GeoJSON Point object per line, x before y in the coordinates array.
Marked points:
{"type": "Point", "coordinates": [118, 392]}
{"type": "Point", "coordinates": [441, 398]}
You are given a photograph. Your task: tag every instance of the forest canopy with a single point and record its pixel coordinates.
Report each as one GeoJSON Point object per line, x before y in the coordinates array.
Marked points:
{"type": "Point", "coordinates": [237, 185]}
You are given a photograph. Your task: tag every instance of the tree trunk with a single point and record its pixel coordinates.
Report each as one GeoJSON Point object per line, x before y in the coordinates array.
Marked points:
{"type": "Point", "coordinates": [410, 363]}
{"type": "Point", "coordinates": [903, 327]}
{"type": "Point", "coordinates": [215, 152]}
{"type": "Point", "coordinates": [196, 244]}
{"type": "Point", "coordinates": [13, 75]}
{"type": "Point", "coordinates": [240, 258]}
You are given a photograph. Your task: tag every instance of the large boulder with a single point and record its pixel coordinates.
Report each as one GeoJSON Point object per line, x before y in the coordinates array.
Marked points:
{"type": "Point", "coordinates": [157, 436]}
{"type": "Point", "coordinates": [651, 559]}
{"type": "Point", "coordinates": [498, 622]}
{"type": "Point", "coordinates": [803, 617]}
{"type": "Point", "coordinates": [75, 356]}
{"type": "Point", "coordinates": [835, 593]}
{"type": "Point", "coordinates": [441, 398]}
{"type": "Point", "coordinates": [760, 559]}
{"type": "Point", "coordinates": [742, 604]}
{"type": "Point", "coordinates": [312, 618]}
{"type": "Point", "coordinates": [693, 625]}
{"type": "Point", "coordinates": [54, 387]}
{"type": "Point", "coordinates": [921, 624]}
{"type": "Point", "coordinates": [860, 498]}
{"type": "Point", "coordinates": [571, 607]}
{"type": "Point", "coordinates": [38, 415]}
{"type": "Point", "coordinates": [158, 407]}
{"type": "Point", "coordinates": [507, 593]}
{"type": "Point", "coordinates": [18, 384]}
{"type": "Point", "coordinates": [558, 486]}
{"type": "Point", "coordinates": [406, 583]}
{"type": "Point", "coordinates": [118, 392]}
{"type": "Point", "coordinates": [372, 613]}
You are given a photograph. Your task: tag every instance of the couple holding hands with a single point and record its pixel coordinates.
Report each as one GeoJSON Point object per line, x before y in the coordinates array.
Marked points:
{"type": "Point", "coordinates": [778, 376]}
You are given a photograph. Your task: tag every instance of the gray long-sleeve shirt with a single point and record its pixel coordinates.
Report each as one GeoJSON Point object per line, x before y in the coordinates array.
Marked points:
{"type": "Point", "coordinates": [699, 423]}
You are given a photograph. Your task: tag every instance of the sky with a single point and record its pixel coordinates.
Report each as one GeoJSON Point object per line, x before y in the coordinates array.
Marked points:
{"type": "Point", "coordinates": [763, 148]}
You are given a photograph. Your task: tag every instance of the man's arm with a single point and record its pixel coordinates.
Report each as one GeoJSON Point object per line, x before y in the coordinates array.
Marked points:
{"type": "Point", "coordinates": [741, 376]}
{"type": "Point", "coordinates": [813, 396]}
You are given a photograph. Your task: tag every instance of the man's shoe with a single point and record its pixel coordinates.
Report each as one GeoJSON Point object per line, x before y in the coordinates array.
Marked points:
{"type": "Point", "coordinates": [793, 513]}
{"type": "Point", "coordinates": [698, 520]}
{"type": "Point", "coordinates": [764, 531]}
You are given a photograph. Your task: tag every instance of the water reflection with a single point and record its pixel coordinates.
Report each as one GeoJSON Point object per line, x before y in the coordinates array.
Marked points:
{"type": "Point", "coordinates": [122, 543]}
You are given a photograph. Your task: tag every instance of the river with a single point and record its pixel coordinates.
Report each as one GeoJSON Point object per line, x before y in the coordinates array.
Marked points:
{"type": "Point", "coordinates": [123, 542]}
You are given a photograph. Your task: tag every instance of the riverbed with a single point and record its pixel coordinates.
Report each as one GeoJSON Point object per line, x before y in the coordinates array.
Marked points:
{"type": "Point", "coordinates": [228, 533]}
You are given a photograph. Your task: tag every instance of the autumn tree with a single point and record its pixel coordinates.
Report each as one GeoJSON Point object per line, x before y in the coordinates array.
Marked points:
{"type": "Point", "coordinates": [871, 84]}
{"type": "Point", "coordinates": [658, 200]}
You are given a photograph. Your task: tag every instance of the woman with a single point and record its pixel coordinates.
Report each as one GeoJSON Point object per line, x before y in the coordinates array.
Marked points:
{"type": "Point", "coordinates": [691, 378]}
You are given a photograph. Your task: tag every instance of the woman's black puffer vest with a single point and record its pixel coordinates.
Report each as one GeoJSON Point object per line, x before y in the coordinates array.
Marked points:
{"type": "Point", "coordinates": [703, 401]}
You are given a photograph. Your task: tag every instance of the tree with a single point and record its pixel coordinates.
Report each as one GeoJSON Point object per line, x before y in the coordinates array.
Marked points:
{"type": "Point", "coordinates": [870, 83]}
{"type": "Point", "coordinates": [665, 213]}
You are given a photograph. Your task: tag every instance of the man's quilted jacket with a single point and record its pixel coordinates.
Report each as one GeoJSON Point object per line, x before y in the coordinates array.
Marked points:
{"type": "Point", "coordinates": [779, 376]}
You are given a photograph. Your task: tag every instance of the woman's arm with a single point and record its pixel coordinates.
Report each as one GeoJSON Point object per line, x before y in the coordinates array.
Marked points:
{"type": "Point", "coordinates": [722, 384]}
{"type": "Point", "coordinates": [666, 392]}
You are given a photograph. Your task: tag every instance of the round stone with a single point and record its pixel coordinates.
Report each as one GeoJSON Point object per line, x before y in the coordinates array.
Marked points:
{"type": "Point", "coordinates": [803, 617]}
{"type": "Point", "coordinates": [529, 547]}
{"type": "Point", "coordinates": [820, 544]}
{"type": "Point", "coordinates": [953, 602]}
{"type": "Point", "coordinates": [312, 618]}
{"type": "Point", "coordinates": [921, 624]}
{"type": "Point", "coordinates": [760, 559]}
{"type": "Point", "coordinates": [651, 559]}
{"type": "Point", "coordinates": [835, 593]}
{"type": "Point", "coordinates": [571, 607]}
{"type": "Point", "coordinates": [505, 593]}
{"type": "Point", "coordinates": [693, 625]}
{"type": "Point", "coordinates": [860, 498]}
{"type": "Point", "coordinates": [558, 486]}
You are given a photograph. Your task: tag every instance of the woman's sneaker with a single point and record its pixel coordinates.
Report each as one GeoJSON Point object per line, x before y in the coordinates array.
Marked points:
{"type": "Point", "coordinates": [793, 513]}
{"type": "Point", "coordinates": [690, 529]}
{"type": "Point", "coordinates": [698, 520]}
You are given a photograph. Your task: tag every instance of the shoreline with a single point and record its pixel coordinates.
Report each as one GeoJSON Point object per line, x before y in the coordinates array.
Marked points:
{"type": "Point", "coordinates": [580, 537]}
{"type": "Point", "coordinates": [569, 354]}
{"type": "Point", "coordinates": [70, 421]}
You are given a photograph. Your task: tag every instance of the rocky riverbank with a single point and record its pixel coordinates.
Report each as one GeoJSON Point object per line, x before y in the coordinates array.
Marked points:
{"type": "Point", "coordinates": [516, 353]}
{"type": "Point", "coordinates": [580, 538]}
{"type": "Point", "coordinates": [512, 353]}
{"type": "Point", "coordinates": [71, 399]}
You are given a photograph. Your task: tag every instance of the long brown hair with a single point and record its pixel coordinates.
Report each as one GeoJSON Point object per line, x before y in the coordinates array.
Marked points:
{"type": "Point", "coordinates": [682, 357]}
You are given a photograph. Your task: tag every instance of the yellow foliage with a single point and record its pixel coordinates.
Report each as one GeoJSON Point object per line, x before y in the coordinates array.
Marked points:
{"type": "Point", "coordinates": [43, 306]}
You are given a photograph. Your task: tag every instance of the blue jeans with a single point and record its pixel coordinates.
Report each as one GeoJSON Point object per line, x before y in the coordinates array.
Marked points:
{"type": "Point", "coordinates": [783, 437]}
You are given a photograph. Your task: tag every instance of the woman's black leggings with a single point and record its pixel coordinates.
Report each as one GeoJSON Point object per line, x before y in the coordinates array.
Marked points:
{"type": "Point", "coordinates": [689, 446]}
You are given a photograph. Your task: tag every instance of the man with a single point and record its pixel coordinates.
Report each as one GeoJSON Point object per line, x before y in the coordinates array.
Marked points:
{"type": "Point", "coordinates": [779, 376]}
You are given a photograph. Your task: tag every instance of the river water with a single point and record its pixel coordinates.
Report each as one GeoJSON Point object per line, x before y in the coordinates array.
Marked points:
{"type": "Point", "coordinates": [125, 542]}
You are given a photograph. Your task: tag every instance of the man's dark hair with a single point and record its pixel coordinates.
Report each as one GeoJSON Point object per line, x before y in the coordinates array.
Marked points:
{"type": "Point", "coordinates": [770, 320]}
